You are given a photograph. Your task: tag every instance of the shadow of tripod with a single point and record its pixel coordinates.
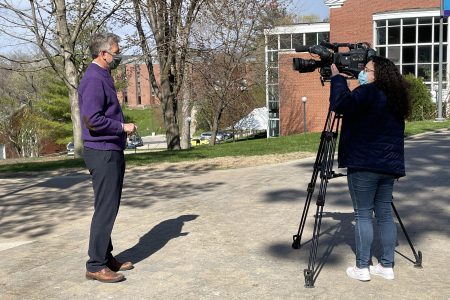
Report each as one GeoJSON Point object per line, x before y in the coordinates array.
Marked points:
{"type": "Point", "coordinates": [323, 167]}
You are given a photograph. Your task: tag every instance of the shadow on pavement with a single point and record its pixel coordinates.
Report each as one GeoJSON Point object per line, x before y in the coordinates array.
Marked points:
{"type": "Point", "coordinates": [34, 207]}
{"type": "Point", "coordinates": [156, 239]}
{"type": "Point", "coordinates": [332, 234]}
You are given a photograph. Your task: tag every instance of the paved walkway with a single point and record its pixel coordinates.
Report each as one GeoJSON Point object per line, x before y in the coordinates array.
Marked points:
{"type": "Point", "coordinates": [197, 233]}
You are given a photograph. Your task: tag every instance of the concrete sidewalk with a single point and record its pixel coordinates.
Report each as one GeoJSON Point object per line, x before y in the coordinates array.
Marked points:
{"type": "Point", "coordinates": [198, 233]}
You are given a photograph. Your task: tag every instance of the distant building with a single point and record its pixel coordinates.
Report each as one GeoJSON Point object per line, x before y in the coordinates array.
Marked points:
{"type": "Point", "coordinates": [135, 89]}
{"type": "Point", "coordinates": [285, 87]}
{"type": "Point", "coordinates": [405, 31]}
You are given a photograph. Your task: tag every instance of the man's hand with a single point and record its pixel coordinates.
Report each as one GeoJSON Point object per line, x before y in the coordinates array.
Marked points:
{"type": "Point", "coordinates": [129, 128]}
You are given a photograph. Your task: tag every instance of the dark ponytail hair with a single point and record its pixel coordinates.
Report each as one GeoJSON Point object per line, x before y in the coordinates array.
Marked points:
{"type": "Point", "coordinates": [393, 84]}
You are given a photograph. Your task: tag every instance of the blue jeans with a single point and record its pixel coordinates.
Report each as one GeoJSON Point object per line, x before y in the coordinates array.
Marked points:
{"type": "Point", "coordinates": [372, 192]}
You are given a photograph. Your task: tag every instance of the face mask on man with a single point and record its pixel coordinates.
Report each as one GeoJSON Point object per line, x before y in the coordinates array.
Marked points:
{"type": "Point", "coordinates": [362, 77]}
{"type": "Point", "coordinates": [114, 63]}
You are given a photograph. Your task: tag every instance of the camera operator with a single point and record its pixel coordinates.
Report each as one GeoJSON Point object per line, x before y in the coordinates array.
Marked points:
{"type": "Point", "coordinates": [371, 147]}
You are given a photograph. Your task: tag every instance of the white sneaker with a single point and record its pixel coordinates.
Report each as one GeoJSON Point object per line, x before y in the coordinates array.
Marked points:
{"type": "Point", "coordinates": [379, 270]}
{"type": "Point", "coordinates": [357, 273]}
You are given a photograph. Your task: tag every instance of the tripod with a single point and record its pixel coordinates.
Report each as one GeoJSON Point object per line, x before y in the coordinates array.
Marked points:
{"type": "Point", "coordinates": [323, 166]}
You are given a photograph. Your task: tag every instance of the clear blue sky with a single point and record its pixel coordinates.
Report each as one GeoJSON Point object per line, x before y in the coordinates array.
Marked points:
{"type": "Point", "coordinates": [310, 7]}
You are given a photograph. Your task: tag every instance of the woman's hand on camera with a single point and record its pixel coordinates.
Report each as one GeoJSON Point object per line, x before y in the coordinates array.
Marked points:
{"type": "Point", "coordinates": [334, 70]}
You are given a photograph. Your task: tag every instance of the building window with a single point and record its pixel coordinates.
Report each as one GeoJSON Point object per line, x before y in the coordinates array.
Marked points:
{"type": "Point", "coordinates": [297, 40]}
{"type": "Point", "coordinates": [311, 38]}
{"type": "Point", "coordinates": [412, 43]}
{"type": "Point", "coordinates": [291, 41]}
{"type": "Point", "coordinates": [285, 41]}
{"type": "Point", "coordinates": [272, 42]}
{"type": "Point", "coordinates": [323, 36]}
{"type": "Point", "coordinates": [274, 128]}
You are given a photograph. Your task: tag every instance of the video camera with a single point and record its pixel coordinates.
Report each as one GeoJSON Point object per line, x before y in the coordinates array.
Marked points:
{"type": "Point", "coordinates": [350, 63]}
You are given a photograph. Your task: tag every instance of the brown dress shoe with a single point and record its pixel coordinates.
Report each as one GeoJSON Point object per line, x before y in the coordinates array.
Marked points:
{"type": "Point", "coordinates": [105, 275]}
{"type": "Point", "coordinates": [116, 265]}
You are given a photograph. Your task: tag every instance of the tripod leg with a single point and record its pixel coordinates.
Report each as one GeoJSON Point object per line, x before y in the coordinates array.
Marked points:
{"type": "Point", "coordinates": [297, 237]}
{"type": "Point", "coordinates": [310, 272]}
{"type": "Point", "coordinates": [418, 256]}
{"type": "Point", "coordinates": [296, 244]}
{"type": "Point", "coordinates": [324, 164]}
{"type": "Point", "coordinates": [325, 175]}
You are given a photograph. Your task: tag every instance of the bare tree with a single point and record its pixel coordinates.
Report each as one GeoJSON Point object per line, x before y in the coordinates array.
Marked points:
{"type": "Point", "coordinates": [170, 23]}
{"type": "Point", "coordinates": [19, 125]}
{"type": "Point", "coordinates": [228, 51]}
{"type": "Point", "coordinates": [56, 27]}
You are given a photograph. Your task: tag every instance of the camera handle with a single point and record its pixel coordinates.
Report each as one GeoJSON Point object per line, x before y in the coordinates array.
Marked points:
{"type": "Point", "coordinates": [323, 166]}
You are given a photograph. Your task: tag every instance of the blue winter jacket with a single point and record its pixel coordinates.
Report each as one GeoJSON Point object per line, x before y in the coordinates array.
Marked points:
{"type": "Point", "coordinates": [371, 138]}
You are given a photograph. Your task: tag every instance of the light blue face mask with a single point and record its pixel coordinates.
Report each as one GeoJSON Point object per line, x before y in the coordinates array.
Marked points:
{"type": "Point", "coordinates": [362, 78]}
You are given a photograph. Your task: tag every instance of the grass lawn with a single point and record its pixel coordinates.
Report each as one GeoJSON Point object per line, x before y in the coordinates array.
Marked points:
{"type": "Point", "coordinates": [302, 142]}
{"type": "Point", "coordinates": [147, 120]}
{"type": "Point", "coordinates": [417, 127]}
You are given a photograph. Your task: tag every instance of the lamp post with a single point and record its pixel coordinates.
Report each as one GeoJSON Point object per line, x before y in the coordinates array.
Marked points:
{"type": "Point", "coordinates": [441, 38]}
{"type": "Point", "coordinates": [188, 119]}
{"type": "Point", "coordinates": [304, 99]}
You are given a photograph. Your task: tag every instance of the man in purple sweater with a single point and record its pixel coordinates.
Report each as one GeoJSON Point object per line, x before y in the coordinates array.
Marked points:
{"type": "Point", "coordinates": [104, 134]}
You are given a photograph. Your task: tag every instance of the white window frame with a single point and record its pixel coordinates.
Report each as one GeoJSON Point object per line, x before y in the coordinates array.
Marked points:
{"type": "Point", "coordinates": [413, 14]}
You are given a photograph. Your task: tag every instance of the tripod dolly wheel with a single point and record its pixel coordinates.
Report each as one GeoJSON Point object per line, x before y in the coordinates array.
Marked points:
{"type": "Point", "coordinates": [418, 263]}
{"type": "Point", "coordinates": [296, 243]}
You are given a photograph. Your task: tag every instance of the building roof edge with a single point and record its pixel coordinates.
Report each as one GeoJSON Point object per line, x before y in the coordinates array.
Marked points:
{"type": "Point", "coordinates": [334, 3]}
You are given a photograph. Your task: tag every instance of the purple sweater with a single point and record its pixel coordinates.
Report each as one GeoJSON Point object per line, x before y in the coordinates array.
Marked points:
{"type": "Point", "coordinates": [100, 111]}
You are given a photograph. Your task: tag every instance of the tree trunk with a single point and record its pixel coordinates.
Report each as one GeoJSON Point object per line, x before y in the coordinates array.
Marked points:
{"type": "Point", "coordinates": [170, 122]}
{"type": "Point", "coordinates": [215, 127]}
{"type": "Point", "coordinates": [185, 129]}
{"type": "Point", "coordinates": [169, 104]}
{"type": "Point", "coordinates": [76, 124]}
{"type": "Point", "coordinates": [193, 120]}
{"type": "Point", "coordinates": [70, 75]}
{"type": "Point", "coordinates": [72, 82]}
{"type": "Point", "coordinates": [186, 113]}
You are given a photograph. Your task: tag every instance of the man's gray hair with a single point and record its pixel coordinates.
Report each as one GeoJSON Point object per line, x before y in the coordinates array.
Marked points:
{"type": "Point", "coordinates": [102, 42]}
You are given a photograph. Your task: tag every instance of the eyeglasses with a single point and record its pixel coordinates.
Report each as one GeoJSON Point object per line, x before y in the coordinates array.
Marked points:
{"type": "Point", "coordinates": [368, 70]}
{"type": "Point", "coordinates": [111, 53]}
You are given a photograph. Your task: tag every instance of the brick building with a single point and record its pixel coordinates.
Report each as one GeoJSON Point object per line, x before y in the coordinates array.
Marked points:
{"type": "Point", "coordinates": [405, 31]}
{"type": "Point", "coordinates": [137, 90]}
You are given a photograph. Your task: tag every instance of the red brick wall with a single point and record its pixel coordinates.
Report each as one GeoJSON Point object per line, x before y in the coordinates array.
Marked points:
{"type": "Point", "coordinates": [350, 23]}
{"type": "Point", "coordinates": [147, 99]}
{"type": "Point", "coordinates": [145, 86]}
{"type": "Point", "coordinates": [293, 86]}
{"type": "Point", "coordinates": [353, 21]}
{"type": "Point", "coordinates": [131, 88]}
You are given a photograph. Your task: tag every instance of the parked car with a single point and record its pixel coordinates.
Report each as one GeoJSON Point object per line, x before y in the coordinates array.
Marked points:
{"type": "Point", "coordinates": [227, 135]}
{"type": "Point", "coordinates": [205, 136]}
{"type": "Point", "coordinates": [134, 141]}
{"type": "Point", "coordinates": [70, 149]}
{"type": "Point", "coordinates": [220, 136]}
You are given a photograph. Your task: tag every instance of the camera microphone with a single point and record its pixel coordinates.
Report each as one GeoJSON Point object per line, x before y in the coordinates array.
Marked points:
{"type": "Point", "coordinates": [302, 48]}
{"type": "Point", "coordinates": [331, 46]}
